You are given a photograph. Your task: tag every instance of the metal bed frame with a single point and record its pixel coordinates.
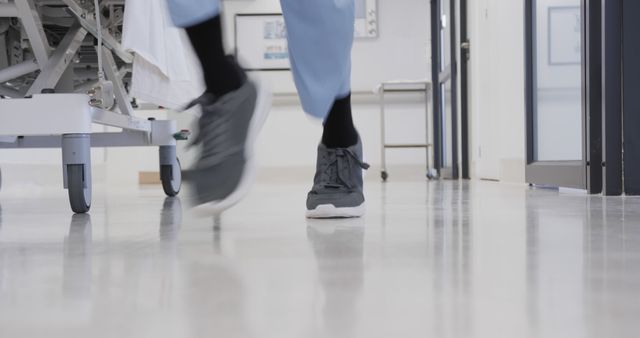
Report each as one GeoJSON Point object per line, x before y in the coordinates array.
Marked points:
{"type": "Point", "coordinates": [52, 91]}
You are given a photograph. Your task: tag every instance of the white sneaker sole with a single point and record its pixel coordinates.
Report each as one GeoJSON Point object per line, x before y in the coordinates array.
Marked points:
{"type": "Point", "coordinates": [330, 211]}
{"type": "Point", "coordinates": [260, 113]}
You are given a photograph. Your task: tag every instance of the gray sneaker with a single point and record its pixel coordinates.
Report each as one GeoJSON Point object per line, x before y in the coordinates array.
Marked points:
{"type": "Point", "coordinates": [337, 185]}
{"type": "Point", "coordinates": [227, 131]}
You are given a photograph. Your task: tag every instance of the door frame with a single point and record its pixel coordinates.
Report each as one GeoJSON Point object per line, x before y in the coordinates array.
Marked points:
{"type": "Point", "coordinates": [580, 174]}
{"type": "Point", "coordinates": [631, 99]}
{"type": "Point", "coordinates": [439, 77]}
{"type": "Point", "coordinates": [465, 54]}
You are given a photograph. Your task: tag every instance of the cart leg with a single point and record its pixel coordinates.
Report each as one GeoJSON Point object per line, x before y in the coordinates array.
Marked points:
{"type": "Point", "coordinates": [383, 142]}
{"type": "Point", "coordinates": [170, 171]}
{"type": "Point", "coordinates": [432, 173]}
{"type": "Point", "coordinates": [76, 166]}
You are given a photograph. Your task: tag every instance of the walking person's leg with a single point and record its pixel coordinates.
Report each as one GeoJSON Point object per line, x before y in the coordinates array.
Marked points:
{"type": "Point", "coordinates": [320, 35]}
{"type": "Point", "coordinates": [233, 111]}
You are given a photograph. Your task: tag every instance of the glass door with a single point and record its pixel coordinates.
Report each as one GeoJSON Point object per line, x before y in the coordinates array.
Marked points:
{"type": "Point", "coordinates": [444, 76]}
{"type": "Point", "coordinates": [556, 75]}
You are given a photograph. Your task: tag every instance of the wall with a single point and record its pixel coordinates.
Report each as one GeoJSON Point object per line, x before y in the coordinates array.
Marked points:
{"type": "Point", "coordinates": [497, 89]}
{"type": "Point", "coordinates": [402, 50]}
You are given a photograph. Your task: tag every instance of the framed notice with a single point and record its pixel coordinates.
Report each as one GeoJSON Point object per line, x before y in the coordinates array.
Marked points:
{"type": "Point", "coordinates": [261, 42]}
{"type": "Point", "coordinates": [261, 39]}
{"type": "Point", "coordinates": [366, 19]}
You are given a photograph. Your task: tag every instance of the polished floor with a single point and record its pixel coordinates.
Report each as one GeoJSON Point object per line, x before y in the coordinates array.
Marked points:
{"type": "Point", "coordinates": [439, 259]}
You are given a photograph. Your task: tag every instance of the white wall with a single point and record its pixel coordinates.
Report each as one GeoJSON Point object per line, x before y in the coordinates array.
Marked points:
{"type": "Point", "coordinates": [400, 52]}
{"type": "Point", "coordinates": [497, 89]}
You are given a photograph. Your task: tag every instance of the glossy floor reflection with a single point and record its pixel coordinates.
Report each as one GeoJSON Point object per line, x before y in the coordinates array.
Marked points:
{"type": "Point", "coordinates": [439, 259]}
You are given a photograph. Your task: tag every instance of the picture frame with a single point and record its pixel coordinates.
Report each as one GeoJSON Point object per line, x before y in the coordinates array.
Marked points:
{"type": "Point", "coordinates": [261, 42]}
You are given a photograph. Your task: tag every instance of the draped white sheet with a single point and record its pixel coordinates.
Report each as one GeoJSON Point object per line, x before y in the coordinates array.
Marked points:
{"type": "Point", "coordinates": [166, 71]}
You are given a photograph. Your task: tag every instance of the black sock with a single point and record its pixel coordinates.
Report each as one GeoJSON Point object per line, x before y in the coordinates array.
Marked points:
{"type": "Point", "coordinates": [221, 73]}
{"type": "Point", "coordinates": [339, 131]}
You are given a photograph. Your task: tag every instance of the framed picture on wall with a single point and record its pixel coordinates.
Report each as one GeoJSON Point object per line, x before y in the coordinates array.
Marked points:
{"type": "Point", "coordinates": [261, 38]}
{"type": "Point", "coordinates": [366, 25]}
{"type": "Point", "coordinates": [261, 42]}
{"type": "Point", "coordinates": [564, 35]}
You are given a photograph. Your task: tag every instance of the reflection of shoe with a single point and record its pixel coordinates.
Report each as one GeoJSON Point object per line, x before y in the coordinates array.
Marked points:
{"type": "Point", "coordinates": [227, 132]}
{"type": "Point", "coordinates": [337, 188]}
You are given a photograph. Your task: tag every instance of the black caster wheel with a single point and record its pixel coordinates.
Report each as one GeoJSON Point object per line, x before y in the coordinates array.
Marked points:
{"type": "Point", "coordinates": [171, 176]}
{"type": "Point", "coordinates": [384, 175]}
{"type": "Point", "coordinates": [79, 189]}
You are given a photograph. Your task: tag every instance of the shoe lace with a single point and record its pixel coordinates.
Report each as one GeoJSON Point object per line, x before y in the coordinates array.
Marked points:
{"type": "Point", "coordinates": [336, 173]}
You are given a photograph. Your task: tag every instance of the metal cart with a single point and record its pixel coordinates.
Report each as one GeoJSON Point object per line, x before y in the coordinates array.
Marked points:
{"type": "Point", "coordinates": [405, 87]}
{"type": "Point", "coordinates": [52, 91]}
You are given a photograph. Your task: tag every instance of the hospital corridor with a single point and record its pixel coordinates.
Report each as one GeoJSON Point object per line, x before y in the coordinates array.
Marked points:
{"type": "Point", "coordinates": [319, 168]}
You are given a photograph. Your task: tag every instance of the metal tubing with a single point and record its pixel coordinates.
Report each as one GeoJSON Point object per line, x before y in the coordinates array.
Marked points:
{"type": "Point", "coordinates": [8, 10]}
{"type": "Point", "coordinates": [382, 130]}
{"type": "Point", "coordinates": [59, 61]}
{"type": "Point", "coordinates": [34, 29]}
{"type": "Point", "coordinates": [87, 21]}
{"type": "Point", "coordinates": [388, 88]}
{"type": "Point", "coordinates": [18, 70]}
{"type": "Point", "coordinates": [111, 71]}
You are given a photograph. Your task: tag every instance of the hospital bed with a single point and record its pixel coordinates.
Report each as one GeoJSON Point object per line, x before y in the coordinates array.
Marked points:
{"type": "Point", "coordinates": [60, 75]}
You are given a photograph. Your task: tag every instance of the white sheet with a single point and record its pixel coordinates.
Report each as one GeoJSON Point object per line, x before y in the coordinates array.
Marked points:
{"type": "Point", "coordinates": [166, 71]}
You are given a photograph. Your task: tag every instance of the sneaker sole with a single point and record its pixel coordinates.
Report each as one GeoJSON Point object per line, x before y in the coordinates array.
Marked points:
{"type": "Point", "coordinates": [331, 211]}
{"type": "Point", "coordinates": [260, 113]}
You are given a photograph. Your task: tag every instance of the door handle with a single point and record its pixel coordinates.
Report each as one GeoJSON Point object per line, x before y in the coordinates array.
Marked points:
{"type": "Point", "coordinates": [466, 49]}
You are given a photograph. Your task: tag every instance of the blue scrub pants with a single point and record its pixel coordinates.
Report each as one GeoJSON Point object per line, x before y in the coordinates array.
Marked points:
{"type": "Point", "coordinates": [320, 37]}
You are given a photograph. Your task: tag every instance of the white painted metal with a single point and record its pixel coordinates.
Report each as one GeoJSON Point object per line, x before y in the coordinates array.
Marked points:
{"type": "Point", "coordinates": [112, 73]}
{"type": "Point", "coordinates": [88, 23]}
{"type": "Point", "coordinates": [18, 70]}
{"type": "Point", "coordinates": [48, 114]}
{"type": "Point", "coordinates": [34, 29]}
{"type": "Point", "coordinates": [59, 61]}
{"type": "Point", "coordinates": [8, 10]}
{"type": "Point", "coordinates": [162, 132]}
{"type": "Point", "coordinates": [112, 119]}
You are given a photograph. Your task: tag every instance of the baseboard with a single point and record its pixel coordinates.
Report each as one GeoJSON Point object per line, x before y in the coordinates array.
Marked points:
{"type": "Point", "coordinates": [149, 178]}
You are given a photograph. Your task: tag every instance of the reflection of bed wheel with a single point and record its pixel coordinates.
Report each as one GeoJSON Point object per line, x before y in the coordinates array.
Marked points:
{"type": "Point", "coordinates": [79, 187]}
{"type": "Point", "coordinates": [171, 176]}
{"type": "Point", "coordinates": [384, 175]}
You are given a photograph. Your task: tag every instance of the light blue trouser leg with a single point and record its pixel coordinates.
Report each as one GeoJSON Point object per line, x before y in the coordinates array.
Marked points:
{"type": "Point", "coordinates": [320, 35]}
{"type": "Point", "coordinates": [185, 13]}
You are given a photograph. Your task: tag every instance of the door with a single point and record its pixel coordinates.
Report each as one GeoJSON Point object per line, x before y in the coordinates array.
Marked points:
{"type": "Point", "coordinates": [558, 77]}
{"type": "Point", "coordinates": [444, 76]}
{"type": "Point", "coordinates": [465, 55]}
